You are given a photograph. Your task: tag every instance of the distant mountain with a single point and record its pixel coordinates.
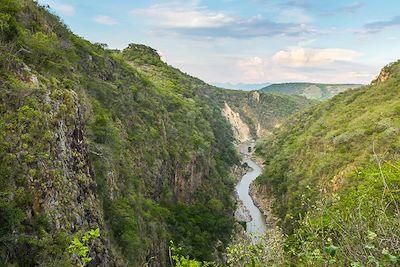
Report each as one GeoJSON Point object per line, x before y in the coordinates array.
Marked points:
{"type": "Point", "coordinates": [318, 91]}
{"type": "Point", "coordinates": [242, 86]}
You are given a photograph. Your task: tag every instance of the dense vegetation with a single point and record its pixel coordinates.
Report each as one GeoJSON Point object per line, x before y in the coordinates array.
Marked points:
{"type": "Point", "coordinates": [333, 172]}
{"type": "Point", "coordinates": [89, 141]}
{"type": "Point", "coordinates": [94, 140]}
{"type": "Point", "coordinates": [318, 91]}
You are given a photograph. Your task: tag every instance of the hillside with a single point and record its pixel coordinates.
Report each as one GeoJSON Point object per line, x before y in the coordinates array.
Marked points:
{"type": "Point", "coordinates": [251, 114]}
{"type": "Point", "coordinates": [317, 91]}
{"type": "Point", "coordinates": [118, 141]}
{"type": "Point", "coordinates": [88, 141]}
{"type": "Point", "coordinates": [332, 174]}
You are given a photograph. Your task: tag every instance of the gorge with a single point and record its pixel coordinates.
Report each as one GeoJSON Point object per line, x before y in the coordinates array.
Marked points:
{"type": "Point", "coordinates": [113, 157]}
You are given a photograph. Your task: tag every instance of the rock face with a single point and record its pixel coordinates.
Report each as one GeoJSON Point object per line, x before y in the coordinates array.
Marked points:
{"type": "Point", "coordinates": [68, 190]}
{"type": "Point", "coordinates": [242, 214]}
{"type": "Point", "coordinates": [256, 96]}
{"type": "Point", "coordinates": [383, 75]}
{"type": "Point", "coordinates": [187, 179]}
{"type": "Point", "coordinates": [240, 129]}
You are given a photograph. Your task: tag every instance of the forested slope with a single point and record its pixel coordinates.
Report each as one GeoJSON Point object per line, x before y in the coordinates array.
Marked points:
{"type": "Point", "coordinates": [116, 140]}
{"type": "Point", "coordinates": [89, 141]}
{"type": "Point", "coordinates": [333, 174]}
{"type": "Point", "coordinates": [259, 112]}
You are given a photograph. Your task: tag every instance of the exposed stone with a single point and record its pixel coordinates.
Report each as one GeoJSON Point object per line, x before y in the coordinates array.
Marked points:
{"type": "Point", "coordinates": [256, 96]}
{"type": "Point", "coordinates": [242, 214]}
{"type": "Point", "coordinates": [382, 77]}
{"type": "Point", "coordinates": [263, 200]}
{"type": "Point", "coordinates": [240, 129]}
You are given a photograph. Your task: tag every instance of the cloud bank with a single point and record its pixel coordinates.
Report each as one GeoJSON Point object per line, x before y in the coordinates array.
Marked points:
{"type": "Point", "coordinates": [191, 20]}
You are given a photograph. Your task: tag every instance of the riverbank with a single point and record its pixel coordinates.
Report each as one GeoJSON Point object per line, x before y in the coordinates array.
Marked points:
{"type": "Point", "coordinates": [247, 213]}
{"type": "Point", "coordinates": [261, 198]}
{"type": "Point", "coordinates": [263, 202]}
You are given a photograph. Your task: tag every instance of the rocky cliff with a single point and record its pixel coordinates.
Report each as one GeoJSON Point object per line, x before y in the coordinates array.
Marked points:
{"type": "Point", "coordinates": [240, 129]}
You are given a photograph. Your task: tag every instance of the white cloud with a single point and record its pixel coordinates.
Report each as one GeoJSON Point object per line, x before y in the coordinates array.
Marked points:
{"type": "Point", "coordinates": [304, 57]}
{"type": "Point", "coordinates": [184, 16]}
{"type": "Point", "coordinates": [105, 20]}
{"type": "Point", "coordinates": [252, 68]}
{"type": "Point", "coordinates": [190, 19]}
{"type": "Point", "coordinates": [251, 62]}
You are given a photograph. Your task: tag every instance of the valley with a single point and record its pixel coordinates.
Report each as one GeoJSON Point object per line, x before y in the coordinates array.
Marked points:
{"type": "Point", "coordinates": [113, 157]}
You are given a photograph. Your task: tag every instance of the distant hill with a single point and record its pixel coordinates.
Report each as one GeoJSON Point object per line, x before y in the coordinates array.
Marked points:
{"type": "Point", "coordinates": [242, 86]}
{"type": "Point", "coordinates": [318, 91]}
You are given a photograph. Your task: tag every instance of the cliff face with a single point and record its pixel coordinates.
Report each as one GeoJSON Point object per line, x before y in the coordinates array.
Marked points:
{"type": "Point", "coordinates": [44, 145]}
{"type": "Point", "coordinates": [254, 115]}
{"type": "Point", "coordinates": [240, 129]}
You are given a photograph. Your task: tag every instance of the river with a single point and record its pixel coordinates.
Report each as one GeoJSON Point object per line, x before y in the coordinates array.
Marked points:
{"type": "Point", "coordinates": [257, 226]}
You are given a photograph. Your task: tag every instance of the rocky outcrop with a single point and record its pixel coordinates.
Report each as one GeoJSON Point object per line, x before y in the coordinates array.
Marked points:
{"type": "Point", "coordinates": [383, 75]}
{"type": "Point", "coordinates": [188, 178]}
{"type": "Point", "coordinates": [256, 96]}
{"type": "Point", "coordinates": [68, 192]}
{"type": "Point", "coordinates": [240, 129]}
{"type": "Point", "coordinates": [242, 214]}
{"type": "Point", "coordinates": [263, 202]}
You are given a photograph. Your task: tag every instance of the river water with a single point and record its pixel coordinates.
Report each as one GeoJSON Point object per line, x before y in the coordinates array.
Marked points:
{"type": "Point", "coordinates": [257, 226]}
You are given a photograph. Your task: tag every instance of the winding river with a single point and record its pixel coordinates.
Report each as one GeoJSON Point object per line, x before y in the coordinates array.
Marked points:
{"type": "Point", "coordinates": [257, 226]}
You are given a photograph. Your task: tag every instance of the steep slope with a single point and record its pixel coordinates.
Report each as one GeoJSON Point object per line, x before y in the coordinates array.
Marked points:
{"type": "Point", "coordinates": [317, 91]}
{"type": "Point", "coordinates": [120, 141]}
{"type": "Point", "coordinates": [254, 114]}
{"type": "Point", "coordinates": [333, 172]}
{"type": "Point", "coordinates": [251, 114]}
{"type": "Point", "coordinates": [89, 141]}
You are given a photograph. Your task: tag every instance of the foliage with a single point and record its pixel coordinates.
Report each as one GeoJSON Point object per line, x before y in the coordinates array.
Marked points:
{"type": "Point", "coordinates": [184, 261]}
{"type": "Point", "coordinates": [195, 228]}
{"type": "Point", "coordinates": [80, 245]}
{"type": "Point", "coordinates": [267, 250]}
{"type": "Point", "coordinates": [85, 123]}
{"type": "Point", "coordinates": [334, 175]}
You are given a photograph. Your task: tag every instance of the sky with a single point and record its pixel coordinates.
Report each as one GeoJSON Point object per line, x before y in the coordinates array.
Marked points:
{"type": "Point", "coordinates": [249, 41]}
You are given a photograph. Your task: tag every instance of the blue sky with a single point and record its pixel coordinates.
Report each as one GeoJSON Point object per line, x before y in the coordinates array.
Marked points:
{"type": "Point", "coordinates": [249, 41]}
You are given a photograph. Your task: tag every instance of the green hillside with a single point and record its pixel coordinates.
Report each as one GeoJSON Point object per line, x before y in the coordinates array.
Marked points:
{"type": "Point", "coordinates": [261, 112]}
{"type": "Point", "coordinates": [89, 141]}
{"type": "Point", "coordinates": [317, 91]}
{"type": "Point", "coordinates": [93, 138]}
{"type": "Point", "coordinates": [333, 175]}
